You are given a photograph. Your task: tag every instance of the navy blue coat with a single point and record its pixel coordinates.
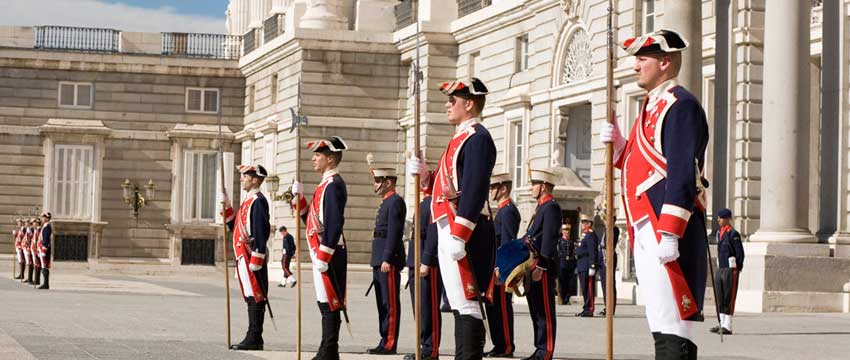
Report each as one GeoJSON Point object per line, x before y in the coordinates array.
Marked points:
{"type": "Point", "coordinates": [333, 211]}
{"type": "Point", "coordinates": [544, 232]}
{"type": "Point", "coordinates": [260, 226]}
{"type": "Point", "coordinates": [427, 237]}
{"type": "Point", "coordinates": [387, 244]}
{"type": "Point", "coordinates": [506, 223]}
{"type": "Point", "coordinates": [586, 253]}
{"type": "Point", "coordinates": [566, 249]}
{"type": "Point", "coordinates": [289, 244]}
{"type": "Point", "coordinates": [730, 245]}
{"type": "Point", "coordinates": [46, 232]}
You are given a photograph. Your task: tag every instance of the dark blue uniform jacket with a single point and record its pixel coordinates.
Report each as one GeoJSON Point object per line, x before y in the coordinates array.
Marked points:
{"type": "Point", "coordinates": [507, 223]}
{"type": "Point", "coordinates": [544, 232]}
{"type": "Point", "coordinates": [730, 245]}
{"type": "Point", "coordinates": [427, 237]}
{"type": "Point", "coordinates": [389, 228]}
{"type": "Point", "coordinates": [586, 252]}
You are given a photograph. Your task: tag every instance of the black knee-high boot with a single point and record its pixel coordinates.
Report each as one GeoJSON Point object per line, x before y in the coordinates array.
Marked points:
{"type": "Point", "coordinates": [672, 347]}
{"type": "Point", "coordinates": [329, 347]}
{"type": "Point", "coordinates": [250, 342]}
{"type": "Point", "coordinates": [46, 283]}
{"type": "Point", "coordinates": [20, 271]}
{"type": "Point", "coordinates": [469, 337]}
{"type": "Point", "coordinates": [29, 275]}
{"type": "Point", "coordinates": [37, 276]}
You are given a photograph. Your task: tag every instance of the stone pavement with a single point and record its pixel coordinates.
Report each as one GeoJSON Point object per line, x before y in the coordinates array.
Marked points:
{"type": "Point", "coordinates": [94, 315]}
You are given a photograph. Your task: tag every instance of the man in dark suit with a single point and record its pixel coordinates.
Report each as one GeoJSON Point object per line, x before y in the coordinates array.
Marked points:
{"type": "Point", "coordinates": [730, 261]}
{"type": "Point", "coordinates": [286, 259]}
{"type": "Point", "coordinates": [587, 263]}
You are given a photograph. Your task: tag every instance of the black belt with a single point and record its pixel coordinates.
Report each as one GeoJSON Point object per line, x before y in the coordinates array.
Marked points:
{"type": "Point", "coordinates": [578, 257]}
{"type": "Point", "coordinates": [379, 234]}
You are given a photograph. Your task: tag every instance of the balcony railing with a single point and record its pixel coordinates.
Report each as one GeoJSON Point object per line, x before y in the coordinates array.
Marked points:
{"type": "Point", "coordinates": [405, 13]}
{"type": "Point", "coordinates": [466, 7]}
{"type": "Point", "coordinates": [249, 41]}
{"type": "Point", "coordinates": [77, 39]}
{"type": "Point", "coordinates": [273, 27]}
{"type": "Point", "coordinates": [211, 46]}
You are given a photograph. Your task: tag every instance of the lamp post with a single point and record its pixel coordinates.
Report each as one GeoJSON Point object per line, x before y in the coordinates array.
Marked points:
{"type": "Point", "coordinates": [133, 196]}
{"type": "Point", "coordinates": [274, 186]}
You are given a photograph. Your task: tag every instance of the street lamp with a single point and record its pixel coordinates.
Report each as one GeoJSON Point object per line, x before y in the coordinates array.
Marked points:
{"type": "Point", "coordinates": [274, 187]}
{"type": "Point", "coordinates": [133, 196]}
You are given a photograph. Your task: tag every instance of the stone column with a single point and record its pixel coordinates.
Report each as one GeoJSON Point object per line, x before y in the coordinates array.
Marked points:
{"type": "Point", "coordinates": [324, 14]}
{"type": "Point", "coordinates": [685, 17]}
{"type": "Point", "coordinates": [784, 183]}
{"type": "Point", "coordinates": [279, 6]}
{"type": "Point", "coordinates": [255, 13]}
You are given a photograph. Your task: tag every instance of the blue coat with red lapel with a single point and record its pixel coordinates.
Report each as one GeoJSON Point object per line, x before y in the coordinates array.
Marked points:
{"type": "Point", "coordinates": [427, 237]}
{"type": "Point", "coordinates": [729, 244]}
{"type": "Point", "coordinates": [544, 232]}
{"type": "Point", "coordinates": [389, 228]}
{"type": "Point", "coordinates": [507, 222]}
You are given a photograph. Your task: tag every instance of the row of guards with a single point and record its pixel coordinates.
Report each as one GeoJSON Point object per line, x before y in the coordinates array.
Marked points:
{"type": "Point", "coordinates": [475, 254]}
{"type": "Point", "coordinates": [33, 239]}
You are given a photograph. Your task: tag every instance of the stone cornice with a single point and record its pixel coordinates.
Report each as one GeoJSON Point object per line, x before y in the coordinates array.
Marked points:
{"type": "Point", "coordinates": [200, 132]}
{"type": "Point", "coordinates": [75, 126]}
{"type": "Point", "coordinates": [497, 15]}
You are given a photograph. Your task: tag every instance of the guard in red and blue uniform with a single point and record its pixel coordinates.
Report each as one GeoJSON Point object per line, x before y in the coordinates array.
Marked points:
{"type": "Point", "coordinates": [663, 193]}
{"type": "Point", "coordinates": [467, 252]}
{"type": "Point", "coordinates": [44, 249]}
{"type": "Point", "coordinates": [603, 266]}
{"type": "Point", "coordinates": [17, 234]}
{"type": "Point", "coordinates": [430, 323]}
{"type": "Point", "coordinates": [286, 259]}
{"type": "Point", "coordinates": [500, 314]}
{"type": "Point", "coordinates": [543, 233]}
{"type": "Point", "coordinates": [35, 239]}
{"type": "Point", "coordinates": [26, 239]}
{"type": "Point", "coordinates": [251, 230]}
{"type": "Point", "coordinates": [325, 218]}
{"type": "Point", "coordinates": [730, 261]}
{"type": "Point", "coordinates": [586, 264]}
{"type": "Point", "coordinates": [387, 259]}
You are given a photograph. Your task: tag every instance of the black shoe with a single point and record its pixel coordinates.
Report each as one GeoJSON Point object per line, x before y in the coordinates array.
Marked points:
{"type": "Point", "coordinates": [252, 347]}
{"type": "Point", "coordinates": [725, 331]}
{"type": "Point", "coordinates": [499, 354]}
{"type": "Point", "coordinates": [584, 314]}
{"type": "Point", "coordinates": [423, 357]}
{"type": "Point", "coordinates": [29, 275]}
{"type": "Point", "coordinates": [715, 329]}
{"type": "Point", "coordinates": [380, 350]}
{"type": "Point", "coordinates": [601, 313]}
{"type": "Point", "coordinates": [37, 277]}
{"type": "Point", "coordinates": [281, 285]}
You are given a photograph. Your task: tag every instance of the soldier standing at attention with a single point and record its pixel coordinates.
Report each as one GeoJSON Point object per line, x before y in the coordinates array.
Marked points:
{"type": "Point", "coordinates": [663, 194]}
{"type": "Point", "coordinates": [251, 231]}
{"type": "Point", "coordinates": [44, 249]}
{"type": "Point", "coordinates": [543, 233]}
{"type": "Point", "coordinates": [18, 234]}
{"type": "Point", "coordinates": [286, 259]}
{"type": "Point", "coordinates": [387, 259]}
{"type": "Point", "coordinates": [567, 270]}
{"type": "Point", "coordinates": [730, 260]}
{"type": "Point", "coordinates": [26, 238]}
{"type": "Point", "coordinates": [586, 265]}
{"type": "Point", "coordinates": [500, 314]}
{"type": "Point", "coordinates": [325, 217]}
{"type": "Point", "coordinates": [467, 252]}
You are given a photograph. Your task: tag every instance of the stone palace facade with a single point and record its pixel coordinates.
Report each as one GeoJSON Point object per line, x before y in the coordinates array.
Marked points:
{"type": "Point", "coordinates": [78, 117]}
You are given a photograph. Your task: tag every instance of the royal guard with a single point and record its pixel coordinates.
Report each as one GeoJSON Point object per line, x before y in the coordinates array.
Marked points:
{"type": "Point", "coordinates": [663, 193]}
{"type": "Point", "coordinates": [543, 233]}
{"type": "Point", "coordinates": [26, 234]}
{"type": "Point", "coordinates": [461, 211]}
{"type": "Point", "coordinates": [603, 267]}
{"type": "Point", "coordinates": [286, 259]}
{"type": "Point", "coordinates": [730, 261]}
{"type": "Point", "coordinates": [44, 249]}
{"type": "Point", "coordinates": [325, 217]}
{"type": "Point", "coordinates": [251, 231]}
{"type": "Point", "coordinates": [500, 314]}
{"type": "Point", "coordinates": [567, 268]}
{"type": "Point", "coordinates": [17, 234]}
{"type": "Point", "coordinates": [35, 239]}
{"type": "Point", "coordinates": [387, 258]}
{"type": "Point", "coordinates": [587, 261]}
{"type": "Point", "coordinates": [430, 323]}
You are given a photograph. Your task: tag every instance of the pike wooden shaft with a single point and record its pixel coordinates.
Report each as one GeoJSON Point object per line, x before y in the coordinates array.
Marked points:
{"type": "Point", "coordinates": [417, 251]}
{"type": "Point", "coordinates": [298, 239]}
{"type": "Point", "coordinates": [611, 299]}
{"type": "Point", "coordinates": [224, 227]}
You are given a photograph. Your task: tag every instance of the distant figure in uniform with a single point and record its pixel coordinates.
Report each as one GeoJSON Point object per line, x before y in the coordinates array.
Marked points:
{"type": "Point", "coordinates": [288, 254]}
{"type": "Point", "coordinates": [251, 231]}
{"type": "Point", "coordinates": [663, 193]}
{"type": "Point", "coordinates": [17, 234]}
{"type": "Point", "coordinates": [500, 315]}
{"type": "Point", "coordinates": [34, 241]}
{"type": "Point", "coordinates": [44, 249]}
{"type": "Point", "coordinates": [567, 268]}
{"type": "Point", "coordinates": [325, 217]}
{"type": "Point", "coordinates": [467, 252]}
{"type": "Point", "coordinates": [543, 233]}
{"type": "Point", "coordinates": [26, 239]}
{"type": "Point", "coordinates": [603, 266]}
{"type": "Point", "coordinates": [431, 286]}
{"type": "Point", "coordinates": [387, 259]}
{"type": "Point", "coordinates": [730, 260]}
{"type": "Point", "coordinates": [586, 265]}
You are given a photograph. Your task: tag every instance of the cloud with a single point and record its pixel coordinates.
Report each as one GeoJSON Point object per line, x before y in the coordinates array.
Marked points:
{"type": "Point", "coordinates": [98, 14]}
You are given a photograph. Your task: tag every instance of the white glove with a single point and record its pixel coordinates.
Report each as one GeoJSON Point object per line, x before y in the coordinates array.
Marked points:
{"type": "Point", "coordinates": [732, 263]}
{"type": "Point", "coordinates": [226, 200]}
{"type": "Point", "coordinates": [254, 267]}
{"type": "Point", "coordinates": [415, 166]}
{"type": "Point", "coordinates": [610, 134]}
{"type": "Point", "coordinates": [320, 265]}
{"type": "Point", "coordinates": [297, 187]}
{"type": "Point", "coordinates": [668, 248]}
{"type": "Point", "coordinates": [456, 248]}
{"type": "Point", "coordinates": [591, 272]}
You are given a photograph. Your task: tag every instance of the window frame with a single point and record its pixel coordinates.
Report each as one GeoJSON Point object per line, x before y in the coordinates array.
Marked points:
{"type": "Point", "coordinates": [191, 201]}
{"type": "Point", "coordinates": [80, 198]}
{"type": "Point", "coordinates": [202, 103]}
{"type": "Point", "coordinates": [521, 53]}
{"type": "Point", "coordinates": [644, 15]}
{"type": "Point", "coordinates": [76, 85]}
{"type": "Point", "coordinates": [516, 144]}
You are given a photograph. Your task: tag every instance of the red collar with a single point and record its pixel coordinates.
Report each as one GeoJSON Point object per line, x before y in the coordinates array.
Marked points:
{"type": "Point", "coordinates": [724, 229]}
{"type": "Point", "coordinates": [544, 199]}
{"type": "Point", "coordinates": [389, 193]}
{"type": "Point", "coordinates": [504, 203]}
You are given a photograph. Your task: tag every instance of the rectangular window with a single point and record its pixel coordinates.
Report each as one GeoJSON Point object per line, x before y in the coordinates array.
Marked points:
{"type": "Point", "coordinates": [648, 17]}
{"type": "Point", "coordinates": [76, 95]}
{"type": "Point", "coordinates": [202, 100]}
{"type": "Point", "coordinates": [522, 53]}
{"type": "Point", "coordinates": [72, 186]}
{"type": "Point", "coordinates": [274, 89]}
{"type": "Point", "coordinates": [472, 70]}
{"type": "Point", "coordinates": [202, 184]}
{"type": "Point", "coordinates": [251, 95]}
{"type": "Point", "coordinates": [516, 165]}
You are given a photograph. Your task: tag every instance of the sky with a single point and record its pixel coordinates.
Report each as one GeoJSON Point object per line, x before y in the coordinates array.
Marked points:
{"type": "Point", "coordinates": [199, 16]}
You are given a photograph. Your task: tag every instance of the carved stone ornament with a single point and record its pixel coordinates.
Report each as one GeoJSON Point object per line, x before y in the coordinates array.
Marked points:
{"type": "Point", "coordinates": [570, 7]}
{"type": "Point", "coordinates": [578, 61]}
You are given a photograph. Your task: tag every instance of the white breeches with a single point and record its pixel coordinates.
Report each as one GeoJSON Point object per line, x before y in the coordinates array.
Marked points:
{"type": "Point", "coordinates": [27, 257]}
{"type": "Point", "coordinates": [242, 268]}
{"type": "Point", "coordinates": [662, 312]}
{"type": "Point", "coordinates": [451, 275]}
{"type": "Point", "coordinates": [318, 283]}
